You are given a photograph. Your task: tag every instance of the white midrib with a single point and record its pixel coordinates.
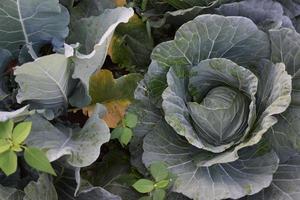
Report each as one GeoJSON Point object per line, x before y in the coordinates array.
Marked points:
{"type": "Point", "coordinates": [29, 46]}
{"type": "Point", "coordinates": [56, 83]}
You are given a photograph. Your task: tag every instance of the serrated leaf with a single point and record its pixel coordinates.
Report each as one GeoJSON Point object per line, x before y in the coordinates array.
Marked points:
{"type": "Point", "coordinates": [130, 120]}
{"type": "Point", "coordinates": [21, 132]}
{"type": "Point", "coordinates": [37, 159]}
{"type": "Point", "coordinates": [4, 145]}
{"type": "Point", "coordinates": [8, 162]}
{"type": "Point", "coordinates": [159, 171]}
{"type": "Point", "coordinates": [6, 129]}
{"type": "Point", "coordinates": [143, 185]}
{"type": "Point", "coordinates": [125, 136]}
{"type": "Point", "coordinates": [162, 184]}
{"type": "Point", "coordinates": [34, 23]}
{"type": "Point", "coordinates": [159, 194]}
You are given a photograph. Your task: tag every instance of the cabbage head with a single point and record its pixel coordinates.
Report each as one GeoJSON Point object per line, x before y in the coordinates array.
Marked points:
{"type": "Point", "coordinates": [220, 106]}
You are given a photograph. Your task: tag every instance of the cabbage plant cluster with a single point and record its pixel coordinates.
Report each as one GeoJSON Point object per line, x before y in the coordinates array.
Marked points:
{"type": "Point", "coordinates": [221, 105]}
{"type": "Point", "coordinates": [149, 99]}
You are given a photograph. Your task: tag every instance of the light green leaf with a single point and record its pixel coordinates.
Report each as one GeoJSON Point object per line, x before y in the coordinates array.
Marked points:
{"type": "Point", "coordinates": [94, 35]}
{"type": "Point", "coordinates": [130, 120]}
{"type": "Point", "coordinates": [159, 171]}
{"type": "Point", "coordinates": [243, 176]}
{"type": "Point", "coordinates": [4, 145]}
{"type": "Point", "coordinates": [37, 159]}
{"type": "Point", "coordinates": [125, 136]}
{"type": "Point", "coordinates": [159, 194]}
{"type": "Point", "coordinates": [8, 162]}
{"type": "Point", "coordinates": [34, 23]}
{"type": "Point", "coordinates": [162, 184]}
{"type": "Point", "coordinates": [21, 132]}
{"type": "Point", "coordinates": [116, 133]}
{"type": "Point", "coordinates": [145, 198]}
{"type": "Point", "coordinates": [45, 83]}
{"type": "Point", "coordinates": [81, 146]}
{"type": "Point", "coordinates": [143, 185]}
{"type": "Point", "coordinates": [6, 129]}
{"type": "Point", "coordinates": [42, 189]}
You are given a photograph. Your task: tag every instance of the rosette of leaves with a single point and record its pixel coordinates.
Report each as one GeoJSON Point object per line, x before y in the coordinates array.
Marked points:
{"type": "Point", "coordinates": [220, 106]}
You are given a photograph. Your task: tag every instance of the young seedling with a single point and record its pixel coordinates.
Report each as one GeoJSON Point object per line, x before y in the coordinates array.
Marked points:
{"type": "Point", "coordinates": [156, 188]}
{"type": "Point", "coordinates": [124, 132]}
{"type": "Point", "coordinates": [12, 142]}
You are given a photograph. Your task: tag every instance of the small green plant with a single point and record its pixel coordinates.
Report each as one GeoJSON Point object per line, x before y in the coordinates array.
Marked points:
{"type": "Point", "coordinates": [157, 186]}
{"type": "Point", "coordinates": [12, 142]}
{"type": "Point", "coordinates": [124, 131]}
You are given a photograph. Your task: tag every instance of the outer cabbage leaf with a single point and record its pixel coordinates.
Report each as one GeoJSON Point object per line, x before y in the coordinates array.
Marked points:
{"type": "Point", "coordinates": [284, 136]}
{"type": "Point", "coordinates": [5, 58]}
{"type": "Point", "coordinates": [31, 24]}
{"type": "Point", "coordinates": [7, 193]}
{"type": "Point", "coordinates": [42, 189]}
{"type": "Point", "coordinates": [94, 35]}
{"type": "Point", "coordinates": [46, 83]}
{"type": "Point", "coordinates": [285, 184]}
{"type": "Point", "coordinates": [227, 180]}
{"type": "Point", "coordinates": [265, 13]}
{"type": "Point", "coordinates": [16, 115]}
{"type": "Point", "coordinates": [81, 146]}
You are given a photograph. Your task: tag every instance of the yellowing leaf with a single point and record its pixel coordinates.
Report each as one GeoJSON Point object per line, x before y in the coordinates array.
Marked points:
{"type": "Point", "coordinates": [115, 94]}
{"type": "Point", "coordinates": [120, 3]}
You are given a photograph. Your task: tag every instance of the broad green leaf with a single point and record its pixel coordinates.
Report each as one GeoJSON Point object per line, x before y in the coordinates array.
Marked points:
{"type": "Point", "coordinates": [17, 115]}
{"type": "Point", "coordinates": [45, 83]}
{"type": "Point", "coordinates": [31, 24]}
{"type": "Point", "coordinates": [114, 174]}
{"type": "Point", "coordinates": [70, 186]}
{"type": "Point", "coordinates": [284, 136]}
{"type": "Point", "coordinates": [42, 189]}
{"type": "Point", "coordinates": [6, 129]}
{"type": "Point", "coordinates": [159, 171]}
{"type": "Point", "coordinates": [285, 184]}
{"type": "Point", "coordinates": [9, 193]}
{"type": "Point", "coordinates": [266, 14]}
{"type": "Point", "coordinates": [162, 184]}
{"type": "Point", "coordinates": [243, 176]}
{"type": "Point", "coordinates": [130, 120]}
{"type": "Point", "coordinates": [94, 35]}
{"type": "Point", "coordinates": [143, 185]}
{"type": "Point", "coordinates": [131, 45]}
{"type": "Point", "coordinates": [125, 136]}
{"type": "Point", "coordinates": [4, 145]}
{"type": "Point", "coordinates": [8, 162]}
{"type": "Point", "coordinates": [37, 159]}
{"type": "Point", "coordinates": [21, 132]}
{"type": "Point", "coordinates": [80, 146]}
{"type": "Point", "coordinates": [159, 194]}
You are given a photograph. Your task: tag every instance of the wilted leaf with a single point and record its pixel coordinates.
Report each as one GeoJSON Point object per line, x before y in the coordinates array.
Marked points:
{"type": "Point", "coordinates": [115, 94]}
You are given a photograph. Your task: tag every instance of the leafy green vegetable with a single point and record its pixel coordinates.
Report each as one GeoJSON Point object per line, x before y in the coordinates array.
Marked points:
{"type": "Point", "coordinates": [143, 186]}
